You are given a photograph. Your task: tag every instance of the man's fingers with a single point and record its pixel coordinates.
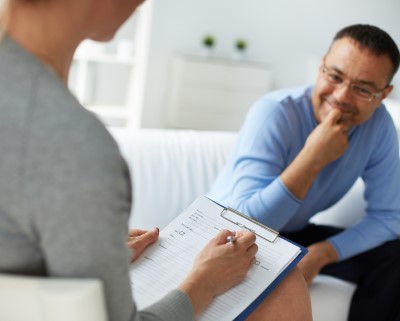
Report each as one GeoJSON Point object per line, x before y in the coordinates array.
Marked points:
{"type": "Point", "coordinates": [333, 116]}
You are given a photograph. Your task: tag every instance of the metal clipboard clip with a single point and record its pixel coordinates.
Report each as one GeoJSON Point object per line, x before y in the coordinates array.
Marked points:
{"type": "Point", "coordinates": [249, 224]}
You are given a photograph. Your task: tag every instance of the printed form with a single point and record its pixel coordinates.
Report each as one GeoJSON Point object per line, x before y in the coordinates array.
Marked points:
{"type": "Point", "coordinates": [165, 264]}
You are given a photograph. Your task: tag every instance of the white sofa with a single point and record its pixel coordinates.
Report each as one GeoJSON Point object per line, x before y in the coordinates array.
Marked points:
{"type": "Point", "coordinates": [170, 168]}
{"type": "Point", "coordinates": [51, 299]}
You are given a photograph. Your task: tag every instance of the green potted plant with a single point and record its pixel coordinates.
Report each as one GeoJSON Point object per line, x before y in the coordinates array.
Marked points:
{"type": "Point", "coordinates": [241, 44]}
{"type": "Point", "coordinates": [208, 45]}
{"type": "Point", "coordinates": [209, 41]}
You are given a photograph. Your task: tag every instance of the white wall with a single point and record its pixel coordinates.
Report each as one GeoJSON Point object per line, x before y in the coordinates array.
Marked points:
{"type": "Point", "coordinates": [289, 35]}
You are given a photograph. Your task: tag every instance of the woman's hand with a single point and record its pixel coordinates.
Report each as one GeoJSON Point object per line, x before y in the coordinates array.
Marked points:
{"type": "Point", "coordinates": [219, 266]}
{"type": "Point", "coordinates": [138, 240]}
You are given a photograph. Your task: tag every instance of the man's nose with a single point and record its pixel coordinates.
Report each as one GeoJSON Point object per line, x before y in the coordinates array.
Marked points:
{"type": "Point", "coordinates": [342, 93]}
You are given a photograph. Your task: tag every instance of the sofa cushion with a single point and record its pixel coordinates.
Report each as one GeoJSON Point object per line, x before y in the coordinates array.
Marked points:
{"type": "Point", "coordinates": [330, 298]}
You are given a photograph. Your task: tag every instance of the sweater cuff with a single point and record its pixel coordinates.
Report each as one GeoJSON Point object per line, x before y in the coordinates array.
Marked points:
{"type": "Point", "coordinates": [176, 305]}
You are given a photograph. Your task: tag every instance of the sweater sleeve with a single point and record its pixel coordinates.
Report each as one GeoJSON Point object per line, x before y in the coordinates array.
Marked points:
{"type": "Point", "coordinates": [381, 222]}
{"type": "Point", "coordinates": [262, 152]}
{"type": "Point", "coordinates": [175, 306]}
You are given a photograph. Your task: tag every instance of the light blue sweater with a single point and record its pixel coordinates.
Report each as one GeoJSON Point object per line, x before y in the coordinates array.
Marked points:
{"type": "Point", "coordinates": [274, 132]}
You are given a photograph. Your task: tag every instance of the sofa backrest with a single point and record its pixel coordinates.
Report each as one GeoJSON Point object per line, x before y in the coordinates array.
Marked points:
{"type": "Point", "coordinates": [170, 169]}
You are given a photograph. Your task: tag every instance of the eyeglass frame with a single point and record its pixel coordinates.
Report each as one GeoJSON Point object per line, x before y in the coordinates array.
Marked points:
{"type": "Point", "coordinates": [325, 71]}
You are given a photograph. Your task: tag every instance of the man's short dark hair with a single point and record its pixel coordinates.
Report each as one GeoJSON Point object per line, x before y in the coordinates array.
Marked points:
{"type": "Point", "coordinates": [375, 40]}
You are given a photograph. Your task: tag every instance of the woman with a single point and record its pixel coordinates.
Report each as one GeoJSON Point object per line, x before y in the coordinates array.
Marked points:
{"type": "Point", "coordinates": [65, 189]}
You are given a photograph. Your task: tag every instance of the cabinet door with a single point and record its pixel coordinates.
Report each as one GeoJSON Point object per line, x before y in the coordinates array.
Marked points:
{"type": "Point", "coordinates": [214, 94]}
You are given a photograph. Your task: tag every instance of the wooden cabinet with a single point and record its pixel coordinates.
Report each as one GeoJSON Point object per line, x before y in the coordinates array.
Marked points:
{"type": "Point", "coordinates": [214, 94]}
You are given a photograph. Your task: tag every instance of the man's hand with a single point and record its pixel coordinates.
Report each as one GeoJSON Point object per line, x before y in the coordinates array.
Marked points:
{"type": "Point", "coordinates": [319, 254]}
{"type": "Point", "coordinates": [138, 240]}
{"type": "Point", "coordinates": [326, 143]}
{"type": "Point", "coordinates": [329, 140]}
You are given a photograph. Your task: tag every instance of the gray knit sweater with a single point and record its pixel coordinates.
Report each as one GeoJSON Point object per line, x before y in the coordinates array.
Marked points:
{"type": "Point", "coordinates": [64, 189]}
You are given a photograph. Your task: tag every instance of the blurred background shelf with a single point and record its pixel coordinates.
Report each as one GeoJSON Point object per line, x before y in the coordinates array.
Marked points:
{"type": "Point", "coordinates": [214, 93]}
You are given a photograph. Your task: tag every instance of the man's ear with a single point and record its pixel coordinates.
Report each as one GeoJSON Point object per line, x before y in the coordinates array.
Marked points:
{"type": "Point", "coordinates": [386, 92]}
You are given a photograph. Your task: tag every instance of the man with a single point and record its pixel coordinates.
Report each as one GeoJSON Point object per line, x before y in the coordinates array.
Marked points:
{"type": "Point", "coordinates": [301, 150]}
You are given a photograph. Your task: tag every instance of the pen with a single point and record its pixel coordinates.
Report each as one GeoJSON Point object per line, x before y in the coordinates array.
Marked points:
{"type": "Point", "coordinates": [231, 239]}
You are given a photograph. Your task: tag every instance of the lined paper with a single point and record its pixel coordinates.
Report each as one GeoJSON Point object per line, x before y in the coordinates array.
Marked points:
{"type": "Point", "coordinates": [165, 264]}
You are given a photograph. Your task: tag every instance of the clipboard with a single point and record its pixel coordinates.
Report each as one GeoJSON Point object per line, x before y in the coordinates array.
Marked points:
{"type": "Point", "coordinates": [245, 222]}
{"type": "Point", "coordinates": [185, 236]}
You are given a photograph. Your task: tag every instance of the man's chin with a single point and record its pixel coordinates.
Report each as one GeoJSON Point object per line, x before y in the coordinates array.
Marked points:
{"type": "Point", "coordinates": [348, 119]}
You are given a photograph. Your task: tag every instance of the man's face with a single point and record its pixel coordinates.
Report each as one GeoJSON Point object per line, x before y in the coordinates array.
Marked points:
{"type": "Point", "coordinates": [353, 80]}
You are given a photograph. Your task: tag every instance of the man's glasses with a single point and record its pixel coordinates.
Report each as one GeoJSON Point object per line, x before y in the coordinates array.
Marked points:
{"type": "Point", "coordinates": [336, 79]}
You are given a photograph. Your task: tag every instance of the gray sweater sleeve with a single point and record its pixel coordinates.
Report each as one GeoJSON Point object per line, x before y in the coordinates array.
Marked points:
{"type": "Point", "coordinates": [174, 306]}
